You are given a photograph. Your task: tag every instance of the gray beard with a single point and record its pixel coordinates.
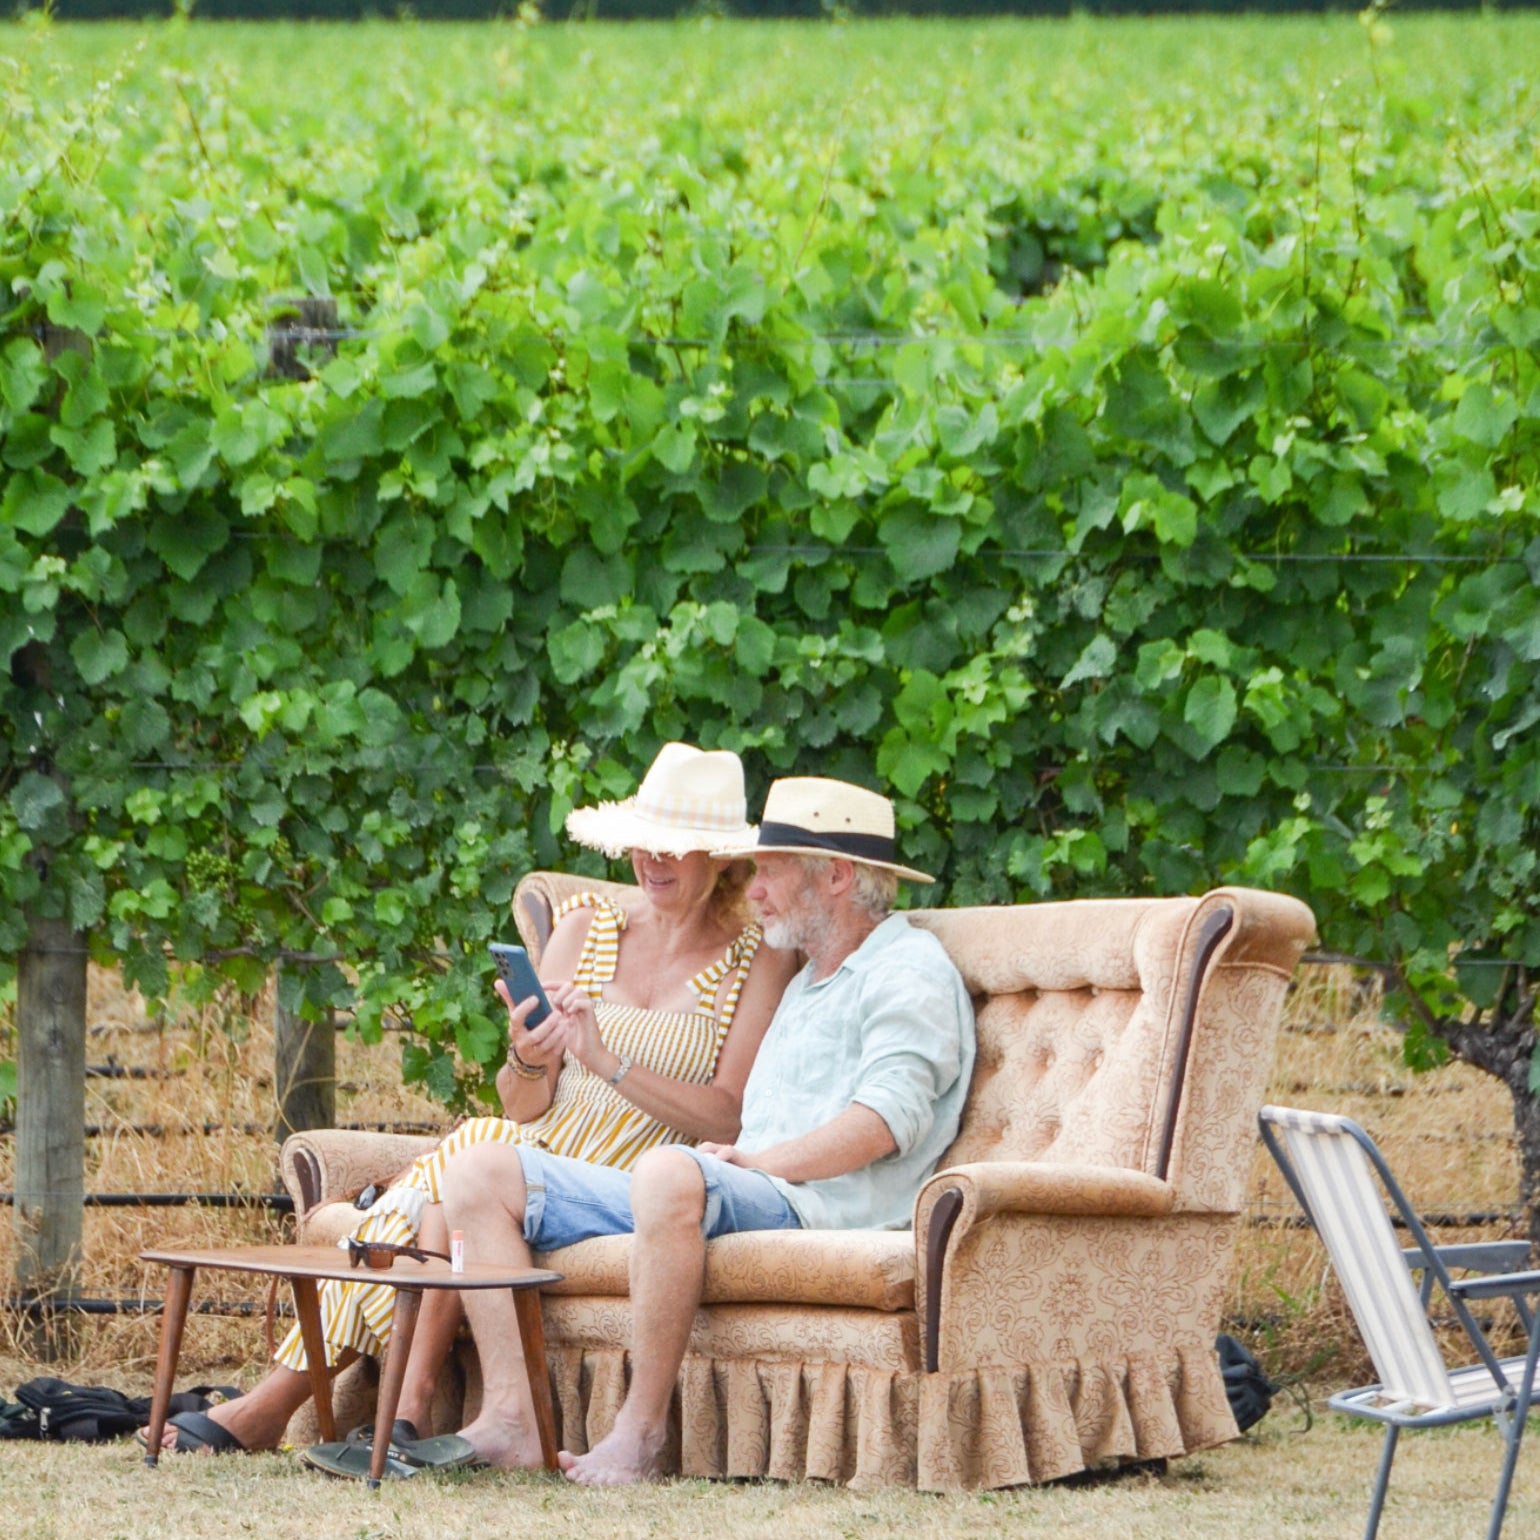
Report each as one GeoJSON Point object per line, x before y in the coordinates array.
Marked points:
{"type": "Point", "coordinates": [804, 930]}
{"type": "Point", "coordinates": [782, 934]}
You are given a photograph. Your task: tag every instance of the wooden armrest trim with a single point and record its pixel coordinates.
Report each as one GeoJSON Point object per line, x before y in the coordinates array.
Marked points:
{"type": "Point", "coordinates": [943, 1218]}
{"type": "Point", "coordinates": [1215, 928]}
{"type": "Point", "coordinates": [307, 1172]}
{"type": "Point", "coordinates": [986, 1189]}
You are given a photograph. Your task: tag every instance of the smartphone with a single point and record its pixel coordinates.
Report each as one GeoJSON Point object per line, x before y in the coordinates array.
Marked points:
{"type": "Point", "coordinates": [518, 973]}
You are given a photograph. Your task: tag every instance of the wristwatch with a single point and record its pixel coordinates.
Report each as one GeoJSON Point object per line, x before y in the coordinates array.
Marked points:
{"type": "Point", "coordinates": [621, 1069]}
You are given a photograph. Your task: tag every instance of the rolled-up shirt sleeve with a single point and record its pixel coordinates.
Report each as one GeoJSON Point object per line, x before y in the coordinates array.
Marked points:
{"type": "Point", "coordinates": [911, 1052]}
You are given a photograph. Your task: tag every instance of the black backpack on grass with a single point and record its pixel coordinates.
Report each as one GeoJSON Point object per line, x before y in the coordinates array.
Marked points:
{"type": "Point", "coordinates": [1249, 1390]}
{"type": "Point", "coordinates": [92, 1414]}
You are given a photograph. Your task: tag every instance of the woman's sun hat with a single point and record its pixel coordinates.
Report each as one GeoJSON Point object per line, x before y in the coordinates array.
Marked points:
{"type": "Point", "coordinates": [690, 799]}
{"type": "Point", "coordinates": [810, 815]}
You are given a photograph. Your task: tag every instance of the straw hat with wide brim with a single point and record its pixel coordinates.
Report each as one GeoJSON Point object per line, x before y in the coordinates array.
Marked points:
{"type": "Point", "coordinates": [811, 816]}
{"type": "Point", "coordinates": [690, 799]}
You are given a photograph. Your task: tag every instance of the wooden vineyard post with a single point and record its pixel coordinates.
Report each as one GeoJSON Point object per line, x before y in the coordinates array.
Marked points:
{"type": "Point", "coordinates": [50, 1121]}
{"type": "Point", "coordinates": [304, 1069]}
{"type": "Point", "coordinates": [308, 324]}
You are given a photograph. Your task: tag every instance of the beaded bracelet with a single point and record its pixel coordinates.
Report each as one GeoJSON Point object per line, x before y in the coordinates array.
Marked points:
{"type": "Point", "coordinates": [521, 1069]}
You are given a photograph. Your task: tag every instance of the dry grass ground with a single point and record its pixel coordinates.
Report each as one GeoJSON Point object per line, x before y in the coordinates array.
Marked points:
{"type": "Point", "coordinates": [1447, 1133]}
{"type": "Point", "coordinates": [1279, 1483]}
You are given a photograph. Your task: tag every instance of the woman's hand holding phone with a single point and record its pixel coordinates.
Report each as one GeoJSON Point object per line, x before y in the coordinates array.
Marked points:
{"type": "Point", "coordinates": [570, 1027]}
{"type": "Point", "coordinates": [536, 1046]}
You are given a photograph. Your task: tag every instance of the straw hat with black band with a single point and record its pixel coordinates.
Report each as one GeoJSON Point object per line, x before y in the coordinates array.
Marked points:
{"type": "Point", "coordinates": [690, 799]}
{"type": "Point", "coordinates": [811, 815]}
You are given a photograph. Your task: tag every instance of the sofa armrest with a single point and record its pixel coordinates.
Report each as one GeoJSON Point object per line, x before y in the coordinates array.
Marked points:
{"type": "Point", "coordinates": [992, 1187]}
{"type": "Point", "coordinates": [325, 1165]}
{"type": "Point", "coordinates": [954, 1202]}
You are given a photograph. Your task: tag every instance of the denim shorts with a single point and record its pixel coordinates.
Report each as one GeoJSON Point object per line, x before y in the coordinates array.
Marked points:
{"type": "Point", "coordinates": [573, 1200]}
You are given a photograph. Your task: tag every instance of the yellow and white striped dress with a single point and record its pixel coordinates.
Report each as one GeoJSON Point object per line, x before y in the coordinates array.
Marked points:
{"type": "Point", "coordinates": [588, 1118]}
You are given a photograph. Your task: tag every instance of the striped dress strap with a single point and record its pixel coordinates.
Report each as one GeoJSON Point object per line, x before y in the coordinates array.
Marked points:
{"type": "Point", "coordinates": [736, 960]}
{"type": "Point", "coordinates": [601, 946]}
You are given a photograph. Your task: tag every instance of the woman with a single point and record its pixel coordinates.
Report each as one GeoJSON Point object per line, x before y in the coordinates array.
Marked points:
{"type": "Point", "coordinates": [656, 1017]}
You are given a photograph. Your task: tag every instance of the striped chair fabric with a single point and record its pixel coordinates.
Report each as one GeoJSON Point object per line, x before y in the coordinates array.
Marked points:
{"type": "Point", "coordinates": [1345, 1206]}
{"type": "Point", "coordinates": [1343, 1184]}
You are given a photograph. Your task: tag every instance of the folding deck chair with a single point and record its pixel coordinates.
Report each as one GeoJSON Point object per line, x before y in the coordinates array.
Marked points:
{"type": "Point", "coordinates": [1331, 1164]}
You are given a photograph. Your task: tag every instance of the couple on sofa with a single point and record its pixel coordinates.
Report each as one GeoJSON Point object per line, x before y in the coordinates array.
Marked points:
{"type": "Point", "coordinates": [819, 1099]}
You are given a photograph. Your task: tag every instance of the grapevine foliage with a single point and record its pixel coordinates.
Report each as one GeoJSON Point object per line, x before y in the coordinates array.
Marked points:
{"type": "Point", "coordinates": [1121, 444]}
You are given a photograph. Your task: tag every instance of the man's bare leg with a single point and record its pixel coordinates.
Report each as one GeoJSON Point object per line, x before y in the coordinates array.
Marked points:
{"type": "Point", "coordinates": [668, 1272]}
{"type": "Point", "coordinates": [483, 1190]}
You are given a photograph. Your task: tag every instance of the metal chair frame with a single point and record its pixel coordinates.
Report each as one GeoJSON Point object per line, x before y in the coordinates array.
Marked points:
{"type": "Point", "coordinates": [1498, 1262]}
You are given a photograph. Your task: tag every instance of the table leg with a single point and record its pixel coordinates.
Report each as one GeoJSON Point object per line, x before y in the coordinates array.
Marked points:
{"type": "Point", "coordinates": [403, 1325]}
{"type": "Point", "coordinates": [307, 1306]}
{"type": "Point", "coordinates": [173, 1319]}
{"type": "Point", "coordinates": [526, 1302]}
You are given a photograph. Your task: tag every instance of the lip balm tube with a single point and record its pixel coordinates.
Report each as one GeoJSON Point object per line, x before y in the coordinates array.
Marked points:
{"type": "Point", "coordinates": [457, 1252]}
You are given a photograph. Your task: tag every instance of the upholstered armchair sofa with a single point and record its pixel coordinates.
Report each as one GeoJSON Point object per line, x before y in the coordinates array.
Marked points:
{"type": "Point", "coordinates": [1055, 1304]}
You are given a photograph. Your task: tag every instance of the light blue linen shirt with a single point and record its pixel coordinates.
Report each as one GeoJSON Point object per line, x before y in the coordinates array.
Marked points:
{"type": "Point", "coordinates": [891, 1028]}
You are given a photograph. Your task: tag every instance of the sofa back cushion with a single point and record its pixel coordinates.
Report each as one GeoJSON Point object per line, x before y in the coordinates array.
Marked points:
{"type": "Point", "coordinates": [1076, 1008]}
{"type": "Point", "coordinates": [1126, 1032]}
{"type": "Point", "coordinates": [1075, 1004]}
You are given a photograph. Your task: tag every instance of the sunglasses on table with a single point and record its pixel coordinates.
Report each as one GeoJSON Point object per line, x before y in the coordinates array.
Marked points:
{"type": "Point", "coordinates": [384, 1253]}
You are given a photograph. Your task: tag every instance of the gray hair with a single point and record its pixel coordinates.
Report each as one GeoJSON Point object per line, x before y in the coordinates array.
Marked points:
{"type": "Point", "coordinates": [874, 890]}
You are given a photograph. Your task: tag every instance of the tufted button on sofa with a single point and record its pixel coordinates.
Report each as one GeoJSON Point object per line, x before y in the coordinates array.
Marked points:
{"type": "Point", "coordinates": [1053, 1307]}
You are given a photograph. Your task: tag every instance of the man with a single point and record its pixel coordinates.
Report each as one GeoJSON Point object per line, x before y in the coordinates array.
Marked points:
{"type": "Point", "coordinates": [856, 1091]}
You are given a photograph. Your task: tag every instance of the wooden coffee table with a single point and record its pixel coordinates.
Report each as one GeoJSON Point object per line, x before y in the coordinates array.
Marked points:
{"type": "Point", "coordinates": [305, 1267]}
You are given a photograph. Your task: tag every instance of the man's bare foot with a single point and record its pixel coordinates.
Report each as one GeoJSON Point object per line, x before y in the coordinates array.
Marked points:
{"type": "Point", "coordinates": [506, 1445]}
{"type": "Point", "coordinates": [622, 1458]}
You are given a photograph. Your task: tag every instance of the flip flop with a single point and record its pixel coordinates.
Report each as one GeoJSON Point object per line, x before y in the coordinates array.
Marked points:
{"type": "Point", "coordinates": [401, 1432]}
{"type": "Point", "coordinates": [446, 1452]}
{"type": "Point", "coordinates": [196, 1432]}
{"type": "Point", "coordinates": [351, 1462]}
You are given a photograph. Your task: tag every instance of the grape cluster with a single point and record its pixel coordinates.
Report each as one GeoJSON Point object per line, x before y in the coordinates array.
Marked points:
{"type": "Point", "coordinates": [209, 871]}
{"type": "Point", "coordinates": [212, 871]}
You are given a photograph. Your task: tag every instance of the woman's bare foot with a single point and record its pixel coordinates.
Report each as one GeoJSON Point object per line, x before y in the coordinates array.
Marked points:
{"type": "Point", "coordinates": [218, 1414]}
{"type": "Point", "coordinates": [256, 1420]}
{"type": "Point", "coordinates": [622, 1458]}
{"type": "Point", "coordinates": [507, 1445]}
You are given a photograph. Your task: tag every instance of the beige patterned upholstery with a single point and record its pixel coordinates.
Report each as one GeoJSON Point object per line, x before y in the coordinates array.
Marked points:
{"type": "Point", "coordinates": [1055, 1305]}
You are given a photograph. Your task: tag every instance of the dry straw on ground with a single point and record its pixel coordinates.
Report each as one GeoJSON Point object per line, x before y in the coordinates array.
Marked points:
{"type": "Point", "coordinates": [1447, 1134]}
{"type": "Point", "coordinates": [204, 1079]}
{"type": "Point", "coordinates": [1282, 1483]}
